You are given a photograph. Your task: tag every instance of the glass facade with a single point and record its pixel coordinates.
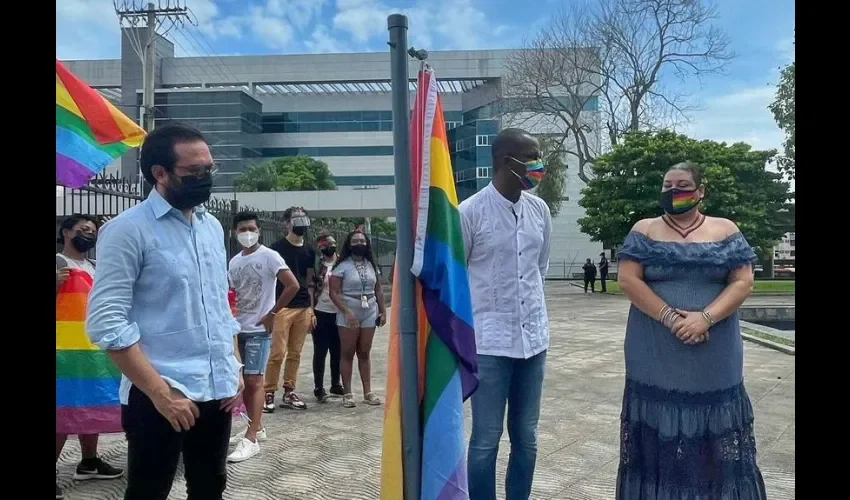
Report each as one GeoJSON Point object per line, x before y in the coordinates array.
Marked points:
{"type": "Point", "coordinates": [231, 121]}
{"type": "Point", "coordinates": [339, 121]}
{"type": "Point", "coordinates": [469, 147]}
{"type": "Point", "coordinates": [328, 151]}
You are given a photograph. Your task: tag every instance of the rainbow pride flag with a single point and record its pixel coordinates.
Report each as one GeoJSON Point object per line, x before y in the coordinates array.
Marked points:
{"type": "Point", "coordinates": [86, 380]}
{"type": "Point", "coordinates": [447, 371]}
{"type": "Point", "coordinates": [90, 131]}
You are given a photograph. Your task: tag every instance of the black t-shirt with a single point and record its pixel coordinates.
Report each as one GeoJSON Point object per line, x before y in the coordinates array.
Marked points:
{"type": "Point", "coordinates": [299, 260]}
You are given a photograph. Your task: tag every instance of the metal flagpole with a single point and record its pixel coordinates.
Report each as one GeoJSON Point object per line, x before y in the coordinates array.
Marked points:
{"type": "Point", "coordinates": [409, 386]}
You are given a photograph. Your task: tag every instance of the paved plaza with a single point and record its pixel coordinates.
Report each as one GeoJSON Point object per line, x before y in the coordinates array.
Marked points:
{"type": "Point", "coordinates": [328, 452]}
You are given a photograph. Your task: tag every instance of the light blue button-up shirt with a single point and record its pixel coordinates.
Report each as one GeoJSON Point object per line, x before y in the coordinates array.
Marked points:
{"type": "Point", "coordinates": [161, 282]}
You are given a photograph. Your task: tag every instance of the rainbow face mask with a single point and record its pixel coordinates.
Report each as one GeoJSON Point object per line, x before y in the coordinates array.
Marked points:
{"type": "Point", "coordinates": [678, 201]}
{"type": "Point", "coordinates": [534, 172]}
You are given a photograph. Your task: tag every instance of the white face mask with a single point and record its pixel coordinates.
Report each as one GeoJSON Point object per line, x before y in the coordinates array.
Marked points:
{"type": "Point", "coordinates": [248, 238]}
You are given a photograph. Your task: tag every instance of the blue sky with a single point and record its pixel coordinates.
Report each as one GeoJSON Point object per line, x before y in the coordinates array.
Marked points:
{"type": "Point", "coordinates": [732, 106]}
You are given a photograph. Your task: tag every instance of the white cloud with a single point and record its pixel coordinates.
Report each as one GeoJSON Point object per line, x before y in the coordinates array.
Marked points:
{"type": "Point", "coordinates": [434, 24]}
{"type": "Point", "coordinates": [81, 28]}
{"type": "Point", "coordinates": [740, 115]}
{"type": "Point", "coordinates": [321, 41]}
{"type": "Point", "coordinates": [89, 28]}
{"type": "Point", "coordinates": [786, 49]}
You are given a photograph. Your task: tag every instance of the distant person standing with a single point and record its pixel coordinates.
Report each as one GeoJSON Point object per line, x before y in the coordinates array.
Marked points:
{"type": "Point", "coordinates": [507, 235]}
{"type": "Point", "coordinates": [603, 271]}
{"type": "Point", "coordinates": [78, 234]}
{"type": "Point", "coordinates": [589, 276]}
{"type": "Point", "coordinates": [253, 274]}
{"type": "Point", "coordinates": [159, 307]}
{"type": "Point", "coordinates": [294, 321]}
{"type": "Point", "coordinates": [326, 333]}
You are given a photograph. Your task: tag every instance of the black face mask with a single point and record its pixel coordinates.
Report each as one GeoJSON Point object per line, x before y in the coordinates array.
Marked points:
{"type": "Point", "coordinates": [299, 230]}
{"type": "Point", "coordinates": [83, 242]}
{"type": "Point", "coordinates": [328, 251]}
{"type": "Point", "coordinates": [358, 250]}
{"type": "Point", "coordinates": [189, 191]}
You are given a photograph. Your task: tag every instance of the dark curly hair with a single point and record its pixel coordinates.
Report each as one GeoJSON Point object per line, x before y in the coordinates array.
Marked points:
{"type": "Point", "coordinates": [71, 221]}
{"type": "Point", "coordinates": [345, 252]}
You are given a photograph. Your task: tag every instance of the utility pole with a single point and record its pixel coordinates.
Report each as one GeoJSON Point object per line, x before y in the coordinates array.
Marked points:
{"type": "Point", "coordinates": [408, 344]}
{"type": "Point", "coordinates": [130, 14]}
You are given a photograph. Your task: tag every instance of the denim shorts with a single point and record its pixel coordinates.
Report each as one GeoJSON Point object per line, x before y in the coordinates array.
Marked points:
{"type": "Point", "coordinates": [254, 349]}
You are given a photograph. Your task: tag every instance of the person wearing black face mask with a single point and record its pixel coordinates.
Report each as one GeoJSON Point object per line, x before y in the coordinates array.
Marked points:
{"type": "Point", "coordinates": [355, 289]}
{"type": "Point", "coordinates": [78, 234]}
{"type": "Point", "coordinates": [159, 309]}
{"type": "Point", "coordinates": [293, 322]}
{"type": "Point", "coordinates": [326, 333]}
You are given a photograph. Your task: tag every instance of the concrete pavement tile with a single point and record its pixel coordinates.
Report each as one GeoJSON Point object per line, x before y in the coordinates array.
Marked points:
{"type": "Point", "coordinates": [328, 452]}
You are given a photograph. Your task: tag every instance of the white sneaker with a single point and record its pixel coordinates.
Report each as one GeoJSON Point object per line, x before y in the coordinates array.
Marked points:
{"type": "Point", "coordinates": [261, 436]}
{"type": "Point", "coordinates": [244, 450]}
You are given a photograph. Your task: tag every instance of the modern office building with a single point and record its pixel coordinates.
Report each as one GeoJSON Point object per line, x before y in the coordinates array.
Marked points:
{"type": "Point", "coordinates": [786, 248]}
{"type": "Point", "coordinates": [335, 108]}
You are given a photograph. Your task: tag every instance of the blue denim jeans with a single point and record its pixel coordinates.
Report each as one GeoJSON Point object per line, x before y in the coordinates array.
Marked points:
{"type": "Point", "coordinates": [519, 383]}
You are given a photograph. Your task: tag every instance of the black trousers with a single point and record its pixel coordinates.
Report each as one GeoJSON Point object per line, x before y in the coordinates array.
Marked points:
{"type": "Point", "coordinates": [325, 339]}
{"type": "Point", "coordinates": [153, 450]}
{"type": "Point", "coordinates": [591, 282]}
{"type": "Point", "coordinates": [603, 278]}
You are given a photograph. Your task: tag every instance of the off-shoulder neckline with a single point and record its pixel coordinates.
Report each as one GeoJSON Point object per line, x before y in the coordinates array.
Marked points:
{"type": "Point", "coordinates": [732, 236]}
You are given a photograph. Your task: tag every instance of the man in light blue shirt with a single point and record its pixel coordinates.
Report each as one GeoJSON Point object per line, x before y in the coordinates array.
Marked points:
{"type": "Point", "coordinates": [159, 307]}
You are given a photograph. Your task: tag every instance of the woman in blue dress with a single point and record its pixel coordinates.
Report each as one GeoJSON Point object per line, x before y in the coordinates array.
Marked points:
{"type": "Point", "coordinates": [687, 422]}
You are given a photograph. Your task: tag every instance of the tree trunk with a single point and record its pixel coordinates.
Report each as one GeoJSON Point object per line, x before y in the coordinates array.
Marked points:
{"type": "Point", "coordinates": [768, 273]}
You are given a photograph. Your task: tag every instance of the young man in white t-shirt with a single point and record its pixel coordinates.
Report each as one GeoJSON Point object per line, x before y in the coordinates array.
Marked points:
{"type": "Point", "coordinates": [253, 274]}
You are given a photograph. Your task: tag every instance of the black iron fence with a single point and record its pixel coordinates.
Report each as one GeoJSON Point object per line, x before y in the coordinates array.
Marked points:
{"type": "Point", "coordinates": [107, 196]}
{"type": "Point", "coordinates": [383, 243]}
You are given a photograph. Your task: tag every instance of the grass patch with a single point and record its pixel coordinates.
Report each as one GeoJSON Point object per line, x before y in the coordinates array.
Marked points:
{"type": "Point", "coordinates": [760, 287]}
{"type": "Point", "coordinates": [774, 286]}
{"type": "Point", "coordinates": [766, 336]}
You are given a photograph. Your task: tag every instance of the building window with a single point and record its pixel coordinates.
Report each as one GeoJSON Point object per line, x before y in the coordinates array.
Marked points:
{"type": "Point", "coordinates": [484, 172]}
{"type": "Point", "coordinates": [337, 121]}
{"type": "Point", "coordinates": [329, 151]}
{"type": "Point", "coordinates": [483, 140]}
{"type": "Point", "coordinates": [793, 253]}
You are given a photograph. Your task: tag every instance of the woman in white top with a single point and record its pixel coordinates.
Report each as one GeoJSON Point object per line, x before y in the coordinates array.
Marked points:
{"type": "Point", "coordinates": [326, 334]}
{"type": "Point", "coordinates": [356, 291]}
{"type": "Point", "coordinates": [78, 234]}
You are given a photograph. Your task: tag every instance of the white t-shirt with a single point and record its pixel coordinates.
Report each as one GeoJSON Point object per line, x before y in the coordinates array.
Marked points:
{"type": "Point", "coordinates": [63, 260]}
{"type": "Point", "coordinates": [325, 304]}
{"type": "Point", "coordinates": [254, 277]}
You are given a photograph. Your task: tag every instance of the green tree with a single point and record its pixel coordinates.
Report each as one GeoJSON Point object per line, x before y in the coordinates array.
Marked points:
{"type": "Point", "coordinates": [551, 188]}
{"type": "Point", "coordinates": [783, 109]}
{"type": "Point", "coordinates": [627, 181]}
{"type": "Point", "coordinates": [291, 173]}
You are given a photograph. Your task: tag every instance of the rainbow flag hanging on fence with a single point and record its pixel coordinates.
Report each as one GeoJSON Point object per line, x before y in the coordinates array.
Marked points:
{"type": "Point", "coordinates": [86, 380]}
{"type": "Point", "coordinates": [447, 371]}
{"type": "Point", "coordinates": [90, 131]}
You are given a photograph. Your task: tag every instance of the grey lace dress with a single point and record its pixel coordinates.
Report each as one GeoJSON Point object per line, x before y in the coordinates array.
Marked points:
{"type": "Point", "coordinates": [687, 422]}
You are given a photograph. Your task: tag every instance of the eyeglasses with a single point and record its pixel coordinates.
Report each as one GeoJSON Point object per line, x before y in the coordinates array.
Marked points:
{"type": "Point", "coordinates": [199, 170]}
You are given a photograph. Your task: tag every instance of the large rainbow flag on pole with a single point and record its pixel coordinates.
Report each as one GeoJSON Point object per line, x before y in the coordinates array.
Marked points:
{"type": "Point", "coordinates": [447, 371]}
{"type": "Point", "coordinates": [86, 380]}
{"type": "Point", "coordinates": [90, 131]}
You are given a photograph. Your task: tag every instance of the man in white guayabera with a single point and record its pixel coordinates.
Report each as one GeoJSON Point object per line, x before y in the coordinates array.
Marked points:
{"type": "Point", "coordinates": [506, 232]}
